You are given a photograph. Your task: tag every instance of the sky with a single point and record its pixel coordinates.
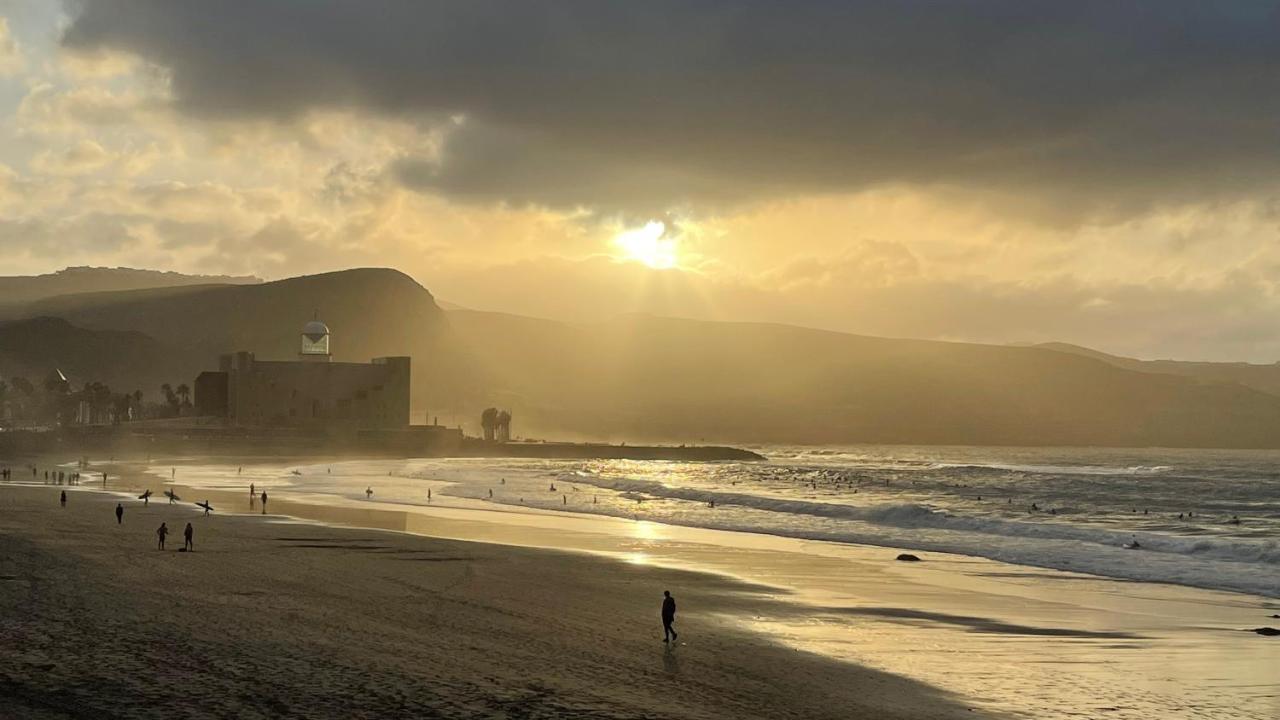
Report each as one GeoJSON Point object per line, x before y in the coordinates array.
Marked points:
{"type": "Point", "coordinates": [1102, 173]}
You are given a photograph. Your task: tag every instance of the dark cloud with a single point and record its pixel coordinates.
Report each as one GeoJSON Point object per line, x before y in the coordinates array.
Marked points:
{"type": "Point", "coordinates": [644, 105]}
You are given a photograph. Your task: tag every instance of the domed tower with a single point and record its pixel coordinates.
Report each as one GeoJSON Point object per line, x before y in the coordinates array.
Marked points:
{"type": "Point", "coordinates": [315, 342]}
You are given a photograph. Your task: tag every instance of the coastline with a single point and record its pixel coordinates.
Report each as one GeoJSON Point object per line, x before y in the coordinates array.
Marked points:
{"type": "Point", "coordinates": [273, 618]}
{"type": "Point", "coordinates": [1038, 639]}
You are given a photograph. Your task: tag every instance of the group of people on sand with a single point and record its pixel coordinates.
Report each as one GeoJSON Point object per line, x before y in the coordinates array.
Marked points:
{"type": "Point", "coordinates": [254, 496]}
{"type": "Point", "coordinates": [163, 531]}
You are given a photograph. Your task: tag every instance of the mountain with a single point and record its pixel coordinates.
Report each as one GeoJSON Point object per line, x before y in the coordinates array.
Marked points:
{"type": "Point", "coordinates": [1259, 377]}
{"type": "Point", "coordinates": [125, 360]}
{"type": "Point", "coordinates": [648, 378]}
{"type": "Point", "coordinates": [372, 313]}
{"type": "Point", "coordinates": [644, 377]}
{"type": "Point", "coordinates": [19, 290]}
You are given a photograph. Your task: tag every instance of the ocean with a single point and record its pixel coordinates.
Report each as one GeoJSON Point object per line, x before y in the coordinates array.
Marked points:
{"type": "Point", "coordinates": [1200, 518]}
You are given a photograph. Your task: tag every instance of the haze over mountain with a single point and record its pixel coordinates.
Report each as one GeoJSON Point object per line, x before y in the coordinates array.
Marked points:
{"type": "Point", "coordinates": [1255, 375]}
{"type": "Point", "coordinates": [17, 289]}
{"type": "Point", "coordinates": [646, 378]}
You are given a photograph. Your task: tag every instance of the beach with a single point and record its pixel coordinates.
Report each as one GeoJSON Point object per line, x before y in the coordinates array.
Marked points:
{"type": "Point", "coordinates": [419, 603]}
{"type": "Point", "coordinates": [270, 618]}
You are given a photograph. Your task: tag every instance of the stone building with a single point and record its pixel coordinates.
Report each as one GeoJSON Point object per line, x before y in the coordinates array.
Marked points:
{"type": "Point", "coordinates": [311, 392]}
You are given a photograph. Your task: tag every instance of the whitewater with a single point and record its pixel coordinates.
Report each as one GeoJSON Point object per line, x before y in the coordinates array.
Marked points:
{"type": "Point", "coordinates": [1207, 519]}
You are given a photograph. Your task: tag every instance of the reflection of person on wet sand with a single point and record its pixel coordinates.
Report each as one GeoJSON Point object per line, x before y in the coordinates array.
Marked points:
{"type": "Point", "coordinates": [264, 502]}
{"type": "Point", "coordinates": [64, 498]}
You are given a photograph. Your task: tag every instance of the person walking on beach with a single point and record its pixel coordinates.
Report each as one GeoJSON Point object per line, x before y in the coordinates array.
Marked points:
{"type": "Point", "coordinates": [368, 493]}
{"type": "Point", "coordinates": [119, 514]}
{"type": "Point", "coordinates": [264, 502]}
{"type": "Point", "coordinates": [668, 616]}
{"type": "Point", "coordinates": [186, 539]}
{"type": "Point", "coordinates": [161, 532]}
{"type": "Point", "coordinates": [64, 498]}
{"type": "Point", "coordinates": [206, 507]}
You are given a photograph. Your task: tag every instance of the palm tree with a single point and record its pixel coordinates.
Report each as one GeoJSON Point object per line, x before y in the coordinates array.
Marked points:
{"type": "Point", "coordinates": [488, 421]}
{"type": "Point", "coordinates": [504, 426]}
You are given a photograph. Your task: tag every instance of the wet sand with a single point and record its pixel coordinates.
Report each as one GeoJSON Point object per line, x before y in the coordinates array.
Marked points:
{"type": "Point", "coordinates": [273, 618]}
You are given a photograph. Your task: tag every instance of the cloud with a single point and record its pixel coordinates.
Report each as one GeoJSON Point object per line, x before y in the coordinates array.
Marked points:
{"type": "Point", "coordinates": [11, 61]}
{"type": "Point", "coordinates": [85, 156]}
{"type": "Point", "coordinates": [1103, 106]}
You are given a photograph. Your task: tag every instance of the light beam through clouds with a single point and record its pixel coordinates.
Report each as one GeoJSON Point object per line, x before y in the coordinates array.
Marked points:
{"type": "Point", "coordinates": [1100, 174]}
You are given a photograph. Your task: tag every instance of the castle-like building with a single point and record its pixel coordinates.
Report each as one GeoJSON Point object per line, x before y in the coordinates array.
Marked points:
{"type": "Point", "coordinates": [311, 392]}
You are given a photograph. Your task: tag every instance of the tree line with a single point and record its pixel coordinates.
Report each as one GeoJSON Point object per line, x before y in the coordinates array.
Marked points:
{"type": "Point", "coordinates": [55, 402]}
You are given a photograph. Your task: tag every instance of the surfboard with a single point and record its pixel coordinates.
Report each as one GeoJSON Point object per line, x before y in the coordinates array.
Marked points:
{"type": "Point", "coordinates": [205, 505]}
{"type": "Point", "coordinates": [1131, 546]}
{"type": "Point", "coordinates": [170, 494]}
{"type": "Point", "coordinates": [145, 495]}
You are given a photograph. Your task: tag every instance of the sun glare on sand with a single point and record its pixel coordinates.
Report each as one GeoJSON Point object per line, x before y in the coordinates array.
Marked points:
{"type": "Point", "coordinates": [648, 245]}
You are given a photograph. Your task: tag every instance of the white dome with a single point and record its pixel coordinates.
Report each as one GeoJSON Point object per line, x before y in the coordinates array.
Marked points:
{"type": "Point", "coordinates": [315, 329]}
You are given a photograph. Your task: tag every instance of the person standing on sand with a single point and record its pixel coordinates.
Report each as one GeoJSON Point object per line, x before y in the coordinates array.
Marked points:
{"type": "Point", "coordinates": [119, 514]}
{"type": "Point", "coordinates": [64, 498]}
{"type": "Point", "coordinates": [186, 539]}
{"type": "Point", "coordinates": [368, 493]}
{"type": "Point", "coordinates": [264, 502]}
{"type": "Point", "coordinates": [160, 534]}
{"type": "Point", "coordinates": [668, 616]}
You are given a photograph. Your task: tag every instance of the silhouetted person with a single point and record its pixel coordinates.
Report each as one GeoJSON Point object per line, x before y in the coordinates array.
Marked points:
{"type": "Point", "coordinates": [251, 490]}
{"type": "Point", "coordinates": [368, 493]}
{"type": "Point", "coordinates": [161, 532]}
{"type": "Point", "coordinates": [64, 498]}
{"type": "Point", "coordinates": [206, 507]}
{"type": "Point", "coordinates": [264, 502]}
{"type": "Point", "coordinates": [490, 493]}
{"type": "Point", "coordinates": [119, 513]}
{"type": "Point", "coordinates": [668, 616]}
{"type": "Point", "coordinates": [186, 539]}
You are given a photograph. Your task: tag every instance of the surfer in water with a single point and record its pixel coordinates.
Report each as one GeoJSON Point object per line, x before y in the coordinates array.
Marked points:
{"type": "Point", "coordinates": [161, 532]}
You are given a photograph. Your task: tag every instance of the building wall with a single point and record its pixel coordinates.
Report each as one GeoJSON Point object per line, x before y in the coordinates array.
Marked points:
{"type": "Point", "coordinates": [321, 395]}
{"type": "Point", "coordinates": [211, 393]}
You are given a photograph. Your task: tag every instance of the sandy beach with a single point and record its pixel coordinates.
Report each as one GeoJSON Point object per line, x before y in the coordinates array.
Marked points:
{"type": "Point", "coordinates": [272, 618]}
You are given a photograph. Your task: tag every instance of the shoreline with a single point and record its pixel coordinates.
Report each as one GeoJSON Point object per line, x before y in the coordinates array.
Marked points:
{"type": "Point", "coordinates": [855, 605]}
{"type": "Point", "coordinates": [273, 618]}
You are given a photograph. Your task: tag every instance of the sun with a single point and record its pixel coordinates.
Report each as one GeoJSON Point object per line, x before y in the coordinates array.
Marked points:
{"type": "Point", "coordinates": [649, 245]}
